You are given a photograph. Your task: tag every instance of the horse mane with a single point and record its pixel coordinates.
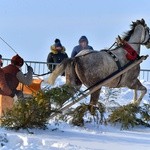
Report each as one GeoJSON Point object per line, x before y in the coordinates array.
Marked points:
{"type": "Point", "coordinates": [128, 34]}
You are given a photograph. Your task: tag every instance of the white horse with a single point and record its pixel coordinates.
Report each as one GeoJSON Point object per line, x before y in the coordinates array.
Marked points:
{"type": "Point", "coordinates": [93, 67]}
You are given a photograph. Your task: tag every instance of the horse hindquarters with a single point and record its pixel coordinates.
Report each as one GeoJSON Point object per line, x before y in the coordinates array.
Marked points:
{"type": "Point", "coordinates": [71, 76]}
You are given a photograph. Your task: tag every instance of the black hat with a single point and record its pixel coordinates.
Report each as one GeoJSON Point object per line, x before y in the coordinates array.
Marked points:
{"type": "Point", "coordinates": [0, 56]}
{"type": "Point", "coordinates": [58, 44]}
{"type": "Point", "coordinates": [57, 40]}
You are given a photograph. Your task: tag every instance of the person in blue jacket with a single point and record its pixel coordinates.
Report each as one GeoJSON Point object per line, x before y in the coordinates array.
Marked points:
{"type": "Point", "coordinates": [83, 44]}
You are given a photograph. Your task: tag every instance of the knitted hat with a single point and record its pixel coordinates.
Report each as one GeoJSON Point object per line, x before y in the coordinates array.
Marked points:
{"type": "Point", "coordinates": [57, 40]}
{"type": "Point", "coordinates": [17, 60]}
{"type": "Point", "coordinates": [58, 44]}
{"type": "Point", "coordinates": [83, 38]}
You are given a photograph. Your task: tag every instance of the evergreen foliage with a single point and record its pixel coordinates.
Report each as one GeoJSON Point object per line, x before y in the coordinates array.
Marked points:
{"type": "Point", "coordinates": [34, 111]}
{"type": "Point", "coordinates": [59, 95]}
{"type": "Point", "coordinates": [30, 112]}
{"type": "Point", "coordinates": [130, 115]}
{"type": "Point", "coordinates": [145, 114]}
{"type": "Point", "coordinates": [96, 111]}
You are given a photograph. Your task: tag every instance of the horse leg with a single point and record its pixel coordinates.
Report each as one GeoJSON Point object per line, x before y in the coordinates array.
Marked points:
{"type": "Point", "coordinates": [93, 101]}
{"type": "Point", "coordinates": [138, 86]}
{"type": "Point", "coordinates": [135, 96]}
{"type": "Point", "coordinates": [94, 97]}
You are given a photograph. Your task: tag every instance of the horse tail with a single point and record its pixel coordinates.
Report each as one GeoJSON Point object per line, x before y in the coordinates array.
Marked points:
{"type": "Point", "coordinates": [60, 68]}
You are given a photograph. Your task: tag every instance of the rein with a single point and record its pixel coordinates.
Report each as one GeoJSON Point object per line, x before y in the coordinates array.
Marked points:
{"type": "Point", "coordinates": [43, 74]}
{"type": "Point", "coordinates": [141, 43]}
{"type": "Point", "coordinates": [112, 46]}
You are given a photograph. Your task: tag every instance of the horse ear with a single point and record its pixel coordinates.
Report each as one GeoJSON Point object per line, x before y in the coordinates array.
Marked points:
{"type": "Point", "coordinates": [142, 21]}
{"type": "Point", "coordinates": [138, 21]}
{"type": "Point", "coordinates": [133, 23]}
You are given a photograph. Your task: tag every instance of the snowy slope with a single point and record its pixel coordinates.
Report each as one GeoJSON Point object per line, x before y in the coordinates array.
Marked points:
{"type": "Point", "coordinates": [62, 136]}
{"type": "Point", "coordinates": [73, 138]}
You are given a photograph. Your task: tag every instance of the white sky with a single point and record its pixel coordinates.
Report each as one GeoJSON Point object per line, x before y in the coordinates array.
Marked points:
{"type": "Point", "coordinates": [31, 26]}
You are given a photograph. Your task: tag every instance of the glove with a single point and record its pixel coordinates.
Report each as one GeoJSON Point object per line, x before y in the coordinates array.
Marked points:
{"type": "Point", "coordinates": [30, 69]}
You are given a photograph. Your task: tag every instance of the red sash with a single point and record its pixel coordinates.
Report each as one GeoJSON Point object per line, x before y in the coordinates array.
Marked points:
{"type": "Point", "coordinates": [131, 53]}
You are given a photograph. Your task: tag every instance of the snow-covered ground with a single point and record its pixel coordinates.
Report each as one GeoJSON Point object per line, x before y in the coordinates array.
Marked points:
{"type": "Point", "coordinates": [63, 136]}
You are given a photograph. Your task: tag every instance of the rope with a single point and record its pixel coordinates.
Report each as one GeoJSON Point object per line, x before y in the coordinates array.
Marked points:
{"type": "Point", "coordinates": [43, 74]}
{"type": "Point", "coordinates": [11, 48]}
{"type": "Point", "coordinates": [8, 45]}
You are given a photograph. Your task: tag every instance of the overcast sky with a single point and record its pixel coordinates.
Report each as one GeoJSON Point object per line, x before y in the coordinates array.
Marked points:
{"type": "Point", "coordinates": [31, 26]}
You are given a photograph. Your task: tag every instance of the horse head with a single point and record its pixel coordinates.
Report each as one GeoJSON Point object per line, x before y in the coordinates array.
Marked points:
{"type": "Point", "coordinates": [139, 33]}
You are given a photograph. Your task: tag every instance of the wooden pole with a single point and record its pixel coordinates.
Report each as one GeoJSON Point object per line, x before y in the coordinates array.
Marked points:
{"type": "Point", "coordinates": [97, 87]}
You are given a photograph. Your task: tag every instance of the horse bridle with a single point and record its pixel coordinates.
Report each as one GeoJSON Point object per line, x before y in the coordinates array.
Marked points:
{"type": "Point", "coordinates": [143, 43]}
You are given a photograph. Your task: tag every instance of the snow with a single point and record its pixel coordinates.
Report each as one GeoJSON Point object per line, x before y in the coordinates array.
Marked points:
{"type": "Point", "coordinates": [63, 136]}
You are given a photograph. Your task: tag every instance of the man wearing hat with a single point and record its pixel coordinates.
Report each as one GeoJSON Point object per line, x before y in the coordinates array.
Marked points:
{"type": "Point", "coordinates": [13, 75]}
{"type": "Point", "coordinates": [83, 44]}
{"type": "Point", "coordinates": [56, 55]}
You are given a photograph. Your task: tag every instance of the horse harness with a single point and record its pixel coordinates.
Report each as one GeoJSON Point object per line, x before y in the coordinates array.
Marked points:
{"type": "Point", "coordinates": [117, 62]}
{"type": "Point", "coordinates": [131, 56]}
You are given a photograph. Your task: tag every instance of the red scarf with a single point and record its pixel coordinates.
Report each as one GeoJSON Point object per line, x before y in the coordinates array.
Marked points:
{"type": "Point", "coordinates": [131, 53]}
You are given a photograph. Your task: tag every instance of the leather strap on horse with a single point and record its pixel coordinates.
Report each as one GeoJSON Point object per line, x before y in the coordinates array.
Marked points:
{"type": "Point", "coordinates": [117, 62]}
{"type": "Point", "coordinates": [115, 58]}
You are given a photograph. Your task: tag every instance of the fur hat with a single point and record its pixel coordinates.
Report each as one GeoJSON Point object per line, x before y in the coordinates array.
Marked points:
{"type": "Point", "coordinates": [83, 38]}
{"type": "Point", "coordinates": [17, 60]}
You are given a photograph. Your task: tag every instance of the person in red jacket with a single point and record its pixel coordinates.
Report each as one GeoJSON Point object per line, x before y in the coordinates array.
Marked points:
{"type": "Point", "coordinates": [11, 75]}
